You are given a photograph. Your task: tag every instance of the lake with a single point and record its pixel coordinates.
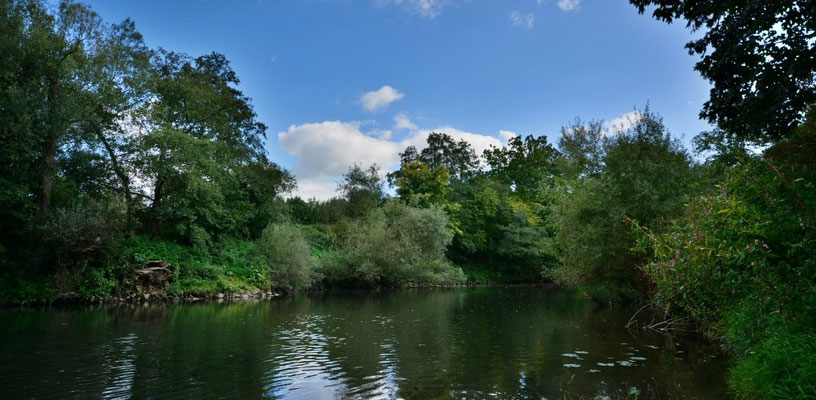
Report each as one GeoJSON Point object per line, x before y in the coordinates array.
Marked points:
{"type": "Point", "coordinates": [480, 342]}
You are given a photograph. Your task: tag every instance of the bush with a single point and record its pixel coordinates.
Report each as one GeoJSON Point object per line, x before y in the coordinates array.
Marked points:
{"type": "Point", "coordinates": [288, 256]}
{"type": "Point", "coordinates": [228, 266]}
{"type": "Point", "coordinates": [781, 366]}
{"type": "Point", "coordinates": [743, 261]}
{"type": "Point", "coordinates": [644, 176]}
{"type": "Point", "coordinates": [395, 245]}
{"type": "Point", "coordinates": [86, 232]}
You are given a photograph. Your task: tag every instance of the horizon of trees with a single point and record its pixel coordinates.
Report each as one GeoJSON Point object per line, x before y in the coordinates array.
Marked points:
{"type": "Point", "coordinates": [113, 154]}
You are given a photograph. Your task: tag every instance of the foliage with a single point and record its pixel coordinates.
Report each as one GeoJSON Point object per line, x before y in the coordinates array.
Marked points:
{"type": "Point", "coordinates": [758, 56]}
{"type": "Point", "coordinates": [780, 366]}
{"type": "Point", "coordinates": [498, 226]}
{"type": "Point", "coordinates": [105, 140]}
{"type": "Point", "coordinates": [287, 255]}
{"type": "Point", "coordinates": [22, 288]}
{"type": "Point", "coordinates": [64, 77]}
{"type": "Point", "coordinates": [264, 183]}
{"type": "Point", "coordinates": [395, 245]}
{"type": "Point", "coordinates": [423, 186]}
{"type": "Point", "coordinates": [191, 154]}
{"type": "Point", "coordinates": [362, 188]}
{"type": "Point", "coordinates": [525, 165]}
{"type": "Point", "coordinates": [87, 230]}
{"type": "Point", "coordinates": [456, 157]}
{"type": "Point", "coordinates": [581, 149]}
{"type": "Point", "coordinates": [229, 266]}
{"type": "Point", "coordinates": [741, 259]}
{"type": "Point", "coordinates": [643, 177]}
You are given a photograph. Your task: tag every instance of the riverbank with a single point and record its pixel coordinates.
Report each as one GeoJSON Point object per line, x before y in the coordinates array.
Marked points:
{"type": "Point", "coordinates": [147, 285]}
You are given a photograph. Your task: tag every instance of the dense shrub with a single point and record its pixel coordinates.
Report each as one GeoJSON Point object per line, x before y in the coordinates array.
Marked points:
{"type": "Point", "coordinates": [288, 256]}
{"type": "Point", "coordinates": [227, 266]}
{"type": "Point", "coordinates": [84, 232]}
{"type": "Point", "coordinates": [644, 176]}
{"type": "Point", "coordinates": [742, 259]}
{"type": "Point", "coordinates": [395, 245]}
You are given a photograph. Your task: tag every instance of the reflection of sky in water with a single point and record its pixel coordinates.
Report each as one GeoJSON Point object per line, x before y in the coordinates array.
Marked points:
{"type": "Point", "coordinates": [463, 343]}
{"type": "Point", "coordinates": [121, 356]}
{"type": "Point", "coordinates": [301, 366]}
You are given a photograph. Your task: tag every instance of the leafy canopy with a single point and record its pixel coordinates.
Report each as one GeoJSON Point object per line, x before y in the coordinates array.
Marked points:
{"type": "Point", "coordinates": [759, 55]}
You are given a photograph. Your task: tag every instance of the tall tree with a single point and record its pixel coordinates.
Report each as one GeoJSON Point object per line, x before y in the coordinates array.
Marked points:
{"type": "Point", "coordinates": [759, 55]}
{"type": "Point", "coordinates": [457, 157]}
{"type": "Point", "coordinates": [527, 165]}
{"type": "Point", "coordinates": [581, 148]}
{"type": "Point", "coordinates": [199, 132]}
{"type": "Point", "coordinates": [27, 35]}
{"type": "Point", "coordinates": [645, 177]}
{"type": "Point", "coordinates": [66, 77]}
{"type": "Point", "coordinates": [423, 186]}
{"type": "Point", "coordinates": [362, 188]}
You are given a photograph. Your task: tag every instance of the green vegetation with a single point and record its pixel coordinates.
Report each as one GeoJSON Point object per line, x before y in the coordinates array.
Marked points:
{"type": "Point", "coordinates": [115, 156]}
{"type": "Point", "coordinates": [641, 174]}
{"type": "Point", "coordinates": [758, 56]}
{"type": "Point", "coordinates": [742, 259]}
{"type": "Point", "coordinates": [395, 245]}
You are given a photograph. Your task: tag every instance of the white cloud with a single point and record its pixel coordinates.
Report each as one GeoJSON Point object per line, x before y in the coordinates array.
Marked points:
{"type": "Point", "coordinates": [379, 99]}
{"type": "Point", "coordinates": [424, 8]}
{"type": "Point", "coordinates": [325, 150]}
{"type": "Point", "coordinates": [384, 134]}
{"type": "Point", "coordinates": [622, 123]}
{"type": "Point", "coordinates": [507, 135]}
{"type": "Point", "coordinates": [322, 188]}
{"type": "Point", "coordinates": [402, 121]}
{"type": "Point", "coordinates": [525, 21]}
{"type": "Point", "coordinates": [568, 5]}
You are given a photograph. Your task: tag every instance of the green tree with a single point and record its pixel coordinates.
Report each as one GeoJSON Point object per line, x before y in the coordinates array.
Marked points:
{"type": "Point", "coordinates": [645, 177]}
{"type": "Point", "coordinates": [362, 188]}
{"type": "Point", "coordinates": [759, 57]}
{"type": "Point", "coordinates": [264, 183]}
{"type": "Point", "coordinates": [741, 260]}
{"type": "Point", "coordinates": [581, 149]}
{"type": "Point", "coordinates": [415, 239]}
{"type": "Point", "coordinates": [423, 186]}
{"type": "Point", "coordinates": [456, 157]}
{"type": "Point", "coordinates": [66, 78]}
{"type": "Point", "coordinates": [200, 133]}
{"type": "Point", "coordinates": [288, 256]}
{"type": "Point", "coordinates": [526, 165]}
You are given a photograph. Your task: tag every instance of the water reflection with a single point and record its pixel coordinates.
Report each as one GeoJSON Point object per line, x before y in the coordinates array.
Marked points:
{"type": "Point", "coordinates": [300, 364]}
{"type": "Point", "coordinates": [461, 343]}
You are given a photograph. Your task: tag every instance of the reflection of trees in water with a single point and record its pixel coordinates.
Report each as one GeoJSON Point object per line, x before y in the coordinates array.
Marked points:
{"type": "Point", "coordinates": [413, 344]}
{"type": "Point", "coordinates": [202, 351]}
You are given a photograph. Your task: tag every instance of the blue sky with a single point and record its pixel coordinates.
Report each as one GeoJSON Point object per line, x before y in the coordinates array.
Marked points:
{"type": "Point", "coordinates": [344, 81]}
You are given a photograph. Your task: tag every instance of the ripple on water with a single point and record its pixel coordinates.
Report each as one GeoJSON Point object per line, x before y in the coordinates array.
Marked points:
{"type": "Point", "coordinates": [451, 343]}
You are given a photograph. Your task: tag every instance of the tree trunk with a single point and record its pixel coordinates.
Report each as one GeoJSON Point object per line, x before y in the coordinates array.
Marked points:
{"type": "Point", "coordinates": [47, 180]}
{"type": "Point", "coordinates": [49, 153]}
{"type": "Point", "coordinates": [117, 168]}
{"type": "Point", "coordinates": [154, 218]}
{"type": "Point", "coordinates": [158, 193]}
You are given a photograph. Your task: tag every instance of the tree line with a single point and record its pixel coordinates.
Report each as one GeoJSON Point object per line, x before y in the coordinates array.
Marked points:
{"type": "Point", "coordinates": [113, 154]}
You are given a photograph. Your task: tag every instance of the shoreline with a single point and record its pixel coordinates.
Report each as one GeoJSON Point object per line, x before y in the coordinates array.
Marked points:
{"type": "Point", "coordinates": [253, 295]}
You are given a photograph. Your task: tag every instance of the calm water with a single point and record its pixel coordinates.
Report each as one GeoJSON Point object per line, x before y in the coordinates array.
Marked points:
{"type": "Point", "coordinates": [455, 343]}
